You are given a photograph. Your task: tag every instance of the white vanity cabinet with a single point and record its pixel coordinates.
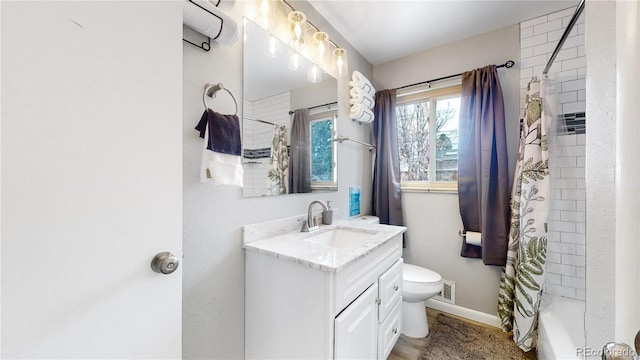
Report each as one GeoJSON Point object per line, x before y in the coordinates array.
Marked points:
{"type": "Point", "coordinates": [293, 310]}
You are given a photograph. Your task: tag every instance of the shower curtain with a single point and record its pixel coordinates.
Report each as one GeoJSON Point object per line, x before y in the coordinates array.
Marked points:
{"type": "Point", "coordinates": [278, 162]}
{"type": "Point", "coordinates": [523, 276]}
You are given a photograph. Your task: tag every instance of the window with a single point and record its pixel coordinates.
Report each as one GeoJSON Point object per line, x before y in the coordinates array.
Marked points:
{"type": "Point", "coordinates": [429, 149]}
{"type": "Point", "coordinates": [323, 153]}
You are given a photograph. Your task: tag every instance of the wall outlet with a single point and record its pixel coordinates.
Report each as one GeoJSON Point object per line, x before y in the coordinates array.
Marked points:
{"type": "Point", "coordinates": [448, 293]}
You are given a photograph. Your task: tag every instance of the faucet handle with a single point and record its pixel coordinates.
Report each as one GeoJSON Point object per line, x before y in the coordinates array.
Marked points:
{"type": "Point", "coordinates": [305, 226]}
{"type": "Point", "coordinates": [315, 220]}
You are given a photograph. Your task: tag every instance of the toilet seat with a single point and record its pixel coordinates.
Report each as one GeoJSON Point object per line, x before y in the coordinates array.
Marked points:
{"type": "Point", "coordinates": [419, 275]}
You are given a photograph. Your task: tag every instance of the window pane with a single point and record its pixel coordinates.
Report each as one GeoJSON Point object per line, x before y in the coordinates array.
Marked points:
{"type": "Point", "coordinates": [322, 150]}
{"type": "Point", "coordinates": [447, 111]}
{"type": "Point", "coordinates": [413, 141]}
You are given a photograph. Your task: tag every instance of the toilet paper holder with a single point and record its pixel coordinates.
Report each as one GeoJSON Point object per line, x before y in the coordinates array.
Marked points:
{"type": "Point", "coordinates": [462, 233]}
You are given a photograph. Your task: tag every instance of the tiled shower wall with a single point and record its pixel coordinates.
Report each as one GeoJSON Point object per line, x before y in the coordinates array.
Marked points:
{"type": "Point", "coordinates": [257, 135]}
{"type": "Point", "coordinates": [565, 270]}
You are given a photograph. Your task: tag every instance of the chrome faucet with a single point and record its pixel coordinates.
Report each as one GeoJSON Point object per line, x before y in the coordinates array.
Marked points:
{"type": "Point", "coordinates": [311, 224]}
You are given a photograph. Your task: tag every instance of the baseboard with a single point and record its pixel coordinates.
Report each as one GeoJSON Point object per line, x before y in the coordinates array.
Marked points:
{"type": "Point", "coordinates": [475, 315]}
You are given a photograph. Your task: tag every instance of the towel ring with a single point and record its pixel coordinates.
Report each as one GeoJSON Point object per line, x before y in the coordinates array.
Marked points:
{"type": "Point", "coordinates": [210, 90]}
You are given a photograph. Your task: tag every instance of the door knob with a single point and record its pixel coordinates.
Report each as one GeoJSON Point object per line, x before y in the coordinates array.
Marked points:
{"type": "Point", "coordinates": [164, 263]}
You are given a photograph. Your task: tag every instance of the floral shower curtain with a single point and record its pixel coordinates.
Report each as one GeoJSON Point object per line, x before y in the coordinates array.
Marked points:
{"type": "Point", "coordinates": [278, 162]}
{"type": "Point", "coordinates": [523, 276]}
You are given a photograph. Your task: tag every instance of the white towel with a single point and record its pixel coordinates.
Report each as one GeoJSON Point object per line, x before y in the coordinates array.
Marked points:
{"type": "Point", "coordinates": [219, 168]}
{"type": "Point", "coordinates": [358, 96]}
{"type": "Point", "coordinates": [360, 81]}
{"type": "Point", "coordinates": [360, 113]}
{"type": "Point", "coordinates": [221, 28]}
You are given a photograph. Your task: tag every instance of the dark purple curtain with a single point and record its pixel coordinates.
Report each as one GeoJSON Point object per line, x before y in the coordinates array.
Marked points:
{"type": "Point", "coordinates": [300, 157]}
{"type": "Point", "coordinates": [387, 200]}
{"type": "Point", "coordinates": [483, 175]}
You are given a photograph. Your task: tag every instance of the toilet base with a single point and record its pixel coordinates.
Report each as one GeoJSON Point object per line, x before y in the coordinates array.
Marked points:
{"type": "Point", "coordinates": [414, 319]}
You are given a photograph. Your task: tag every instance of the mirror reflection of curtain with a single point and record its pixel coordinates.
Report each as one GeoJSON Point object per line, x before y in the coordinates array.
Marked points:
{"type": "Point", "coordinates": [300, 157]}
{"type": "Point", "coordinates": [278, 162]}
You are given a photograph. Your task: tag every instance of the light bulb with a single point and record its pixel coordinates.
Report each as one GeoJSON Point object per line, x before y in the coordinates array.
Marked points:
{"type": "Point", "coordinates": [340, 64]}
{"type": "Point", "coordinates": [298, 23]}
{"type": "Point", "coordinates": [294, 61]}
{"type": "Point", "coordinates": [322, 42]}
{"type": "Point", "coordinates": [315, 74]}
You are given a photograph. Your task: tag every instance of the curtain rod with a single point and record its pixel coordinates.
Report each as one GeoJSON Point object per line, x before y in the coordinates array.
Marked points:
{"type": "Point", "coordinates": [508, 64]}
{"type": "Point", "coordinates": [564, 37]}
{"type": "Point", "coordinates": [258, 120]}
{"type": "Point", "coordinates": [319, 106]}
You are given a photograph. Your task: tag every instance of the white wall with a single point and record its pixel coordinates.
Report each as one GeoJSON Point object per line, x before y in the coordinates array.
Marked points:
{"type": "Point", "coordinates": [433, 220]}
{"type": "Point", "coordinates": [613, 278]}
{"type": "Point", "coordinates": [213, 293]}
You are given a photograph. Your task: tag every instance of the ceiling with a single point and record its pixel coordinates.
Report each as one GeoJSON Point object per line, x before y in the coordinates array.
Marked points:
{"type": "Point", "coordinates": [382, 31]}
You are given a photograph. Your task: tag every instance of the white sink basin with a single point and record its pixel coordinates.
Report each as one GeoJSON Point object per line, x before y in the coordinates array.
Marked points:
{"type": "Point", "coordinates": [341, 237]}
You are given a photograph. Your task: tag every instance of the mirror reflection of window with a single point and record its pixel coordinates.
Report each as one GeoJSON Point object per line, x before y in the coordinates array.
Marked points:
{"type": "Point", "coordinates": [323, 154]}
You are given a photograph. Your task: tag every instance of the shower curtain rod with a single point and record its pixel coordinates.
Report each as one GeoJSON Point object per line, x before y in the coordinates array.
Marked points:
{"type": "Point", "coordinates": [508, 64]}
{"type": "Point", "coordinates": [258, 120]}
{"type": "Point", "coordinates": [318, 106]}
{"type": "Point", "coordinates": [572, 23]}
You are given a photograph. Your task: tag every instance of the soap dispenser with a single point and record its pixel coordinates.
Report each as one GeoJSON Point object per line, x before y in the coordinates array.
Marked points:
{"type": "Point", "coordinates": [327, 215]}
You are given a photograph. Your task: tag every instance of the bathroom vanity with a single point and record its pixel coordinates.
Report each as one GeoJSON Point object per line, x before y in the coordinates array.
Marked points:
{"type": "Point", "coordinates": [330, 294]}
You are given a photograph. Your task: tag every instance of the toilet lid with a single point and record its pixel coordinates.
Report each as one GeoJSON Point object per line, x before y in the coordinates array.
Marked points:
{"type": "Point", "coordinates": [417, 274]}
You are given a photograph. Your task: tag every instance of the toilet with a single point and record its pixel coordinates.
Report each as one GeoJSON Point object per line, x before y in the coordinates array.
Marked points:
{"type": "Point", "coordinates": [418, 285]}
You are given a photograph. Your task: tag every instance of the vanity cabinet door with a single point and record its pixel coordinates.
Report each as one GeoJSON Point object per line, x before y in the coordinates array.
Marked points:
{"type": "Point", "coordinates": [356, 328]}
{"type": "Point", "coordinates": [390, 289]}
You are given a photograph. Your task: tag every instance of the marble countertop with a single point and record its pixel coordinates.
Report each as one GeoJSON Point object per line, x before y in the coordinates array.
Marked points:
{"type": "Point", "coordinates": [292, 247]}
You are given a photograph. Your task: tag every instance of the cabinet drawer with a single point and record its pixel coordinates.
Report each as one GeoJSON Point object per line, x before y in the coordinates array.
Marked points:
{"type": "Point", "coordinates": [389, 331]}
{"type": "Point", "coordinates": [356, 278]}
{"type": "Point", "coordinates": [390, 289]}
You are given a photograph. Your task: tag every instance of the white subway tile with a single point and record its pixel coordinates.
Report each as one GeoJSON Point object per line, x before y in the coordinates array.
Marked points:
{"type": "Point", "coordinates": [560, 290]}
{"type": "Point", "coordinates": [573, 281]}
{"type": "Point", "coordinates": [574, 260]}
{"type": "Point", "coordinates": [574, 41]}
{"type": "Point", "coordinates": [526, 32]}
{"type": "Point", "coordinates": [563, 183]}
{"type": "Point", "coordinates": [535, 60]}
{"type": "Point", "coordinates": [534, 40]}
{"type": "Point", "coordinates": [554, 257]}
{"type": "Point", "coordinates": [533, 22]}
{"type": "Point", "coordinates": [576, 150]}
{"type": "Point", "coordinates": [580, 28]}
{"type": "Point", "coordinates": [573, 107]}
{"type": "Point", "coordinates": [568, 75]}
{"type": "Point", "coordinates": [581, 139]}
{"type": "Point", "coordinates": [562, 226]}
{"type": "Point", "coordinates": [563, 205]}
{"type": "Point", "coordinates": [573, 194]}
{"type": "Point", "coordinates": [582, 95]}
{"type": "Point", "coordinates": [581, 250]}
{"type": "Point", "coordinates": [567, 97]}
{"type": "Point", "coordinates": [581, 294]}
{"type": "Point", "coordinates": [543, 49]}
{"type": "Point", "coordinates": [580, 161]}
{"type": "Point", "coordinates": [563, 161]}
{"type": "Point", "coordinates": [567, 140]}
{"type": "Point", "coordinates": [574, 63]}
{"type": "Point", "coordinates": [562, 269]}
{"type": "Point", "coordinates": [581, 205]}
{"type": "Point", "coordinates": [553, 237]}
{"type": "Point", "coordinates": [571, 173]}
{"type": "Point", "coordinates": [544, 28]}
{"type": "Point", "coordinates": [573, 85]}
{"type": "Point", "coordinates": [573, 216]}
{"type": "Point", "coordinates": [525, 53]}
{"type": "Point", "coordinates": [560, 14]}
{"type": "Point", "coordinates": [554, 215]}
{"type": "Point", "coordinates": [581, 51]}
{"type": "Point", "coordinates": [581, 184]}
{"type": "Point", "coordinates": [554, 36]}
{"type": "Point", "coordinates": [567, 53]}
{"type": "Point", "coordinates": [554, 279]}
{"type": "Point", "coordinates": [561, 248]}
{"type": "Point", "coordinates": [572, 237]}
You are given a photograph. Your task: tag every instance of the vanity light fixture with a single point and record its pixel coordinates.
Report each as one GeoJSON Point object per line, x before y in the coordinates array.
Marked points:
{"type": "Point", "coordinates": [267, 17]}
{"type": "Point", "coordinates": [340, 65]}
{"type": "Point", "coordinates": [295, 62]}
{"type": "Point", "coordinates": [298, 24]}
{"type": "Point", "coordinates": [315, 74]}
{"type": "Point", "coordinates": [321, 39]}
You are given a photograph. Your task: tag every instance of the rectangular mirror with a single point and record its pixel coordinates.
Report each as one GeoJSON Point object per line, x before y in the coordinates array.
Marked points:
{"type": "Point", "coordinates": [276, 83]}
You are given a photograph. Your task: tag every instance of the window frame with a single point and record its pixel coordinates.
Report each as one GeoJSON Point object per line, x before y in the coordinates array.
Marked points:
{"type": "Point", "coordinates": [333, 184]}
{"type": "Point", "coordinates": [443, 91]}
